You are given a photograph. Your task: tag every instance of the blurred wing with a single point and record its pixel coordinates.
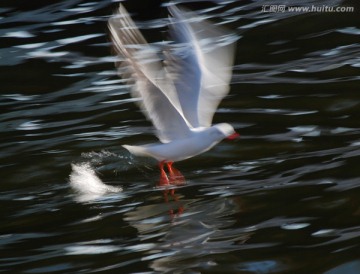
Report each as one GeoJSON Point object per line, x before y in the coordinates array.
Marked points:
{"type": "Point", "coordinates": [141, 65]}
{"type": "Point", "coordinates": [205, 65]}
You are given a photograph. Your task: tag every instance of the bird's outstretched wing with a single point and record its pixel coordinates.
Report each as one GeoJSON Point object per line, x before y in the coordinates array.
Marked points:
{"type": "Point", "coordinates": [141, 65]}
{"type": "Point", "coordinates": [202, 66]}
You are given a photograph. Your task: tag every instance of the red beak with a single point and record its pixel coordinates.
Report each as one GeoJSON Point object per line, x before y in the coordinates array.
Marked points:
{"type": "Point", "coordinates": [233, 136]}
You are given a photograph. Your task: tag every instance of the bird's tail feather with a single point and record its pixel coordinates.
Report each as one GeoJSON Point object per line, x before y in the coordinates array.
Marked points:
{"type": "Point", "coordinates": [136, 150]}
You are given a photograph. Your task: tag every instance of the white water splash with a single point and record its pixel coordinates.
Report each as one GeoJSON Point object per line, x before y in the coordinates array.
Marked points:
{"type": "Point", "coordinates": [87, 184]}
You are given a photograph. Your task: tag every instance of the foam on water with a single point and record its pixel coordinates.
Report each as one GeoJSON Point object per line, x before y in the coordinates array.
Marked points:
{"type": "Point", "coordinates": [87, 184]}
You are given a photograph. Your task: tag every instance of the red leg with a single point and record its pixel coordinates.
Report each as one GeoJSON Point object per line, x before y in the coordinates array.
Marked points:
{"type": "Point", "coordinates": [176, 178]}
{"type": "Point", "coordinates": [163, 178]}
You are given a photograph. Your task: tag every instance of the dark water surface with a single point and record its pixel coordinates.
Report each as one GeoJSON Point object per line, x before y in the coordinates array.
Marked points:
{"type": "Point", "coordinates": [282, 199]}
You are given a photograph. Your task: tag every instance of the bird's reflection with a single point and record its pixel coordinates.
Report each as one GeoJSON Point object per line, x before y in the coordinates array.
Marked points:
{"type": "Point", "coordinates": [169, 181]}
{"type": "Point", "coordinates": [183, 228]}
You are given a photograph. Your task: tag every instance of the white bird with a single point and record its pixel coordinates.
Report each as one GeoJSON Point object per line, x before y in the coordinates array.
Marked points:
{"type": "Point", "coordinates": [180, 94]}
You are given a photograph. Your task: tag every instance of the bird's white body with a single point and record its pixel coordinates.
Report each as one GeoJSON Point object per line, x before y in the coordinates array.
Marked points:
{"type": "Point", "coordinates": [200, 140]}
{"type": "Point", "coordinates": [181, 94]}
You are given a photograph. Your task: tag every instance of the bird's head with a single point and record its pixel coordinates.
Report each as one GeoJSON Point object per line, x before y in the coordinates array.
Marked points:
{"type": "Point", "coordinates": [227, 131]}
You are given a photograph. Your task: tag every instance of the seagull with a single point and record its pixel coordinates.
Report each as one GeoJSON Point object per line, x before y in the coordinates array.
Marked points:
{"type": "Point", "coordinates": [180, 92]}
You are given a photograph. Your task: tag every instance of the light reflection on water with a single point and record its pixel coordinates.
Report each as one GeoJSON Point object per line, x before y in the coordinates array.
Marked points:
{"type": "Point", "coordinates": [269, 203]}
